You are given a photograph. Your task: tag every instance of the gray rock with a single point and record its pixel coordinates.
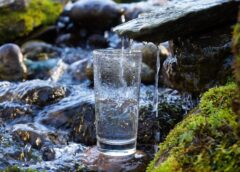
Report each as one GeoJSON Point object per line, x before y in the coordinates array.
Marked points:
{"type": "Point", "coordinates": [95, 14]}
{"type": "Point", "coordinates": [200, 62]}
{"type": "Point", "coordinates": [35, 92]}
{"type": "Point", "coordinates": [16, 113]}
{"type": "Point", "coordinates": [48, 154]}
{"type": "Point", "coordinates": [147, 74]}
{"type": "Point", "coordinates": [180, 18]}
{"type": "Point", "coordinates": [12, 67]}
{"type": "Point", "coordinates": [37, 50]}
{"type": "Point", "coordinates": [77, 118]}
{"type": "Point", "coordinates": [35, 136]}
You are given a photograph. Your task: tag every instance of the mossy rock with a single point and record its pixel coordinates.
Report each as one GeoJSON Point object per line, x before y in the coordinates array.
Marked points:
{"type": "Point", "coordinates": [19, 23]}
{"type": "Point", "coordinates": [236, 49]}
{"type": "Point", "coordinates": [208, 139]}
{"type": "Point", "coordinates": [16, 169]}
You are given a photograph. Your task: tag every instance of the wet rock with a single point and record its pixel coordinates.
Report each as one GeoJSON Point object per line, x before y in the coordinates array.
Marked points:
{"type": "Point", "coordinates": [147, 74]}
{"type": "Point", "coordinates": [89, 70]}
{"type": "Point", "coordinates": [200, 62]}
{"type": "Point", "coordinates": [77, 70]}
{"type": "Point", "coordinates": [48, 154]}
{"type": "Point", "coordinates": [183, 17]}
{"type": "Point", "coordinates": [41, 95]}
{"type": "Point", "coordinates": [36, 136]}
{"type": "Point", "coordinates": [132, 10]}
{"type": "Point", "coordinates": [95, 14]}
{"type": "Point", "coordinates": [96, 161]}
{"type": "Point", "coordinates": [36, 92]}
{"type": "Point", "coordinates": [150, 52]}
{"type": "Point", "coordinates": [67, 158]}
{"type": "Point", "coordinates": [78, 119]}
{"type": "Point", "coordinates": [74, 114]}
{"type": "Point", "coordinates": [12, 67]}
{"type": "Point", "coordinates": [12, 152]}
{"type": "Point", "coordinates": [28, 135]}
{"type": "Point", "coordinates": [22, 22]}
{"type": "Point", "coordinates": [172, 107]}
{"type": "Point", "coordinates": [36, 50]}
{"type": "Point", "coordinates": [16, 113]}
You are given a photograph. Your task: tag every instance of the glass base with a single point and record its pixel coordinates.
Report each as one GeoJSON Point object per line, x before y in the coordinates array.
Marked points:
{"type": "Point", "coordinates": [115, 148]}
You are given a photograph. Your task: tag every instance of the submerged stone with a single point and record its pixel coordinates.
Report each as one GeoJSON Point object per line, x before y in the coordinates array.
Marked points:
{"type": "Point", "coordinates": [180, 18]}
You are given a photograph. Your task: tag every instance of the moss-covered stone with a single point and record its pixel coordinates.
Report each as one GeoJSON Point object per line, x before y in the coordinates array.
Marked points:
{"type": "Point", "coordinates": [16, 169]}
{"type": "Point", "coordinates": [206, 140]}
{"type": "Point", "coordinates": [236, 49]}
{"type": "Point", "coordinates": [15, 24]}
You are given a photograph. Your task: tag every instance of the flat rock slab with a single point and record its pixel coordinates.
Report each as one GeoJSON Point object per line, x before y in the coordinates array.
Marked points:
{"type": "Point", "coordinates": [180, 18]}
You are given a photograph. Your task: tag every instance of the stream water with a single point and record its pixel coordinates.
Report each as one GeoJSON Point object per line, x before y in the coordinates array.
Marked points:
{"type": "Point", "coordinates": [52, 121]}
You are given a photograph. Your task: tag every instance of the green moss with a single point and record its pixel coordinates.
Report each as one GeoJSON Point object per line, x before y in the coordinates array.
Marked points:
{"type": "Point", "coordinates": [236, 49]}
{"type": "Point", "coordinates": [206, 140]}
{"type": "Point", "coordinates": [16, 169]}
{"type": "Point", "coordinates": [16, 24]}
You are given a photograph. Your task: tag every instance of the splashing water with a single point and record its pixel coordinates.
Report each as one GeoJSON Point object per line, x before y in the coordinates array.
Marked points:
{"type": "Point", "coordinates": [155, 102]}
{"type": "Point", "coordinates": [58, 71]}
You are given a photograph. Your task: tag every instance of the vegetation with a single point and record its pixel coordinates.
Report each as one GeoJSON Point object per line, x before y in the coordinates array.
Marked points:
{"type": "Point", "coordinates": [206, 140]}
{"type": "Point", "coordinates": [18, 23]}
{"type": "Point", "coordinates": [16, 169]}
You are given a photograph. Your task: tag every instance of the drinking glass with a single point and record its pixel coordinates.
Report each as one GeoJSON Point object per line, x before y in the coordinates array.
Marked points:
{"type": "Point", "coordinates": [117, 87]}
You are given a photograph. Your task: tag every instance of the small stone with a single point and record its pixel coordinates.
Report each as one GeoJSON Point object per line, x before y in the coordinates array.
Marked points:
{"type": "Point", "coordinates": [48, 154]}
{"type": "Point", "coordinates": [12, 67]}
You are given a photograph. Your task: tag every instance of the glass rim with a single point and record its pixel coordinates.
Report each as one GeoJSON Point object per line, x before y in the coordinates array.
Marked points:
{"type": "Point", "coordinates": [117, 51]}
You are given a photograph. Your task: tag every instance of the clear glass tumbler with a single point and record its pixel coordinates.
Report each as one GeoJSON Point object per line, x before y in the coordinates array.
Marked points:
{"type": "Point", "coordinates": [117, 85]}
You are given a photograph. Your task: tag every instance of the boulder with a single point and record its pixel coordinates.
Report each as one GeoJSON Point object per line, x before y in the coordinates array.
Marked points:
{"type": "Point", "coordinates": [35, 136]}
{"type": "Point", "coordinates": [12, 67]}
{"type": "Point", "coordinates": [16, 113]}
{"type": "Point", "coordinates": [199, 62]}
{"type": "Point", "coordinates": [95, 14]}
{"type": "Point", "coordinates": [19, 23]}
{"type": "Point", "coordinates": [78, 119]}
{"type": "Point", "coordinates": [206, 140]}
{"type": "Point", "coordinates": [180, 18]}
{"type": "Point", "coordinates": [35, 92]}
